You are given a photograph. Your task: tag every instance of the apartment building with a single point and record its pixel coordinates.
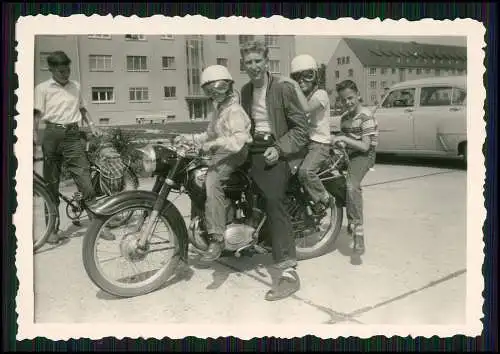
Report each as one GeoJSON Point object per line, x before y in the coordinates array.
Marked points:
{"type": "Point", "coordinates": [134, 78]}
{"type": "Point", "coordinates": [375, 65]}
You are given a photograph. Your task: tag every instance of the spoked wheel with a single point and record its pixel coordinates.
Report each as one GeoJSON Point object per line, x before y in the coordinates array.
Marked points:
{"type": "Point", "coordinates": [44, 215]}
{"type": "Point", "coordinates": [119, 267]}
{"type": "Point", "coordinates": [318, 238]}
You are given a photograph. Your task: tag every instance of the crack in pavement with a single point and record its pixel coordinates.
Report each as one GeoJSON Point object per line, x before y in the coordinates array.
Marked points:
{"type": "Point", "coordinates": [407, 178]}
{"type": "Point", "coordinates": [408, 293]}
{"type": "Point", "coordinates": [337, 317]}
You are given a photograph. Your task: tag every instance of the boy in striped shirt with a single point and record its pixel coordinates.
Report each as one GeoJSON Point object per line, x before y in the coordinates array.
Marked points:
{"type": "Point", "coordinates": [360, 133]}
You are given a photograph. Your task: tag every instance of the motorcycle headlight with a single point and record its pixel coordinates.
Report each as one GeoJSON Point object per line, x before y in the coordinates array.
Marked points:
{"type": "Point", "coordinates": [148, 159]}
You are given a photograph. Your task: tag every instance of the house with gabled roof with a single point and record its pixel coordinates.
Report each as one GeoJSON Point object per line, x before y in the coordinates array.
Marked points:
{"type": "Point", "coordinates": [376, 65]}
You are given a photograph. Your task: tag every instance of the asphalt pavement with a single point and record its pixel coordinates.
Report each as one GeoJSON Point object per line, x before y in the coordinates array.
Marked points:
{"type": "Point", "coordinates": [413, 272]}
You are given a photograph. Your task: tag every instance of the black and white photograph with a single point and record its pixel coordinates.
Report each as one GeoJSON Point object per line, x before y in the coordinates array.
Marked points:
{"type": "Point", "coordinates": [249, 177]}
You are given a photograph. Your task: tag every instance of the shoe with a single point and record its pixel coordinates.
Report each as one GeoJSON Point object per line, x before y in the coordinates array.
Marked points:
{"type": "Point", "coordinates": [358, 240]}
{"type": "Point", "coordinates": [54, 239]}
{"type": "Point", "coordinates": [213, 253]}
{"type": "Point", "coordinates": [287, 286]}
{"type": "Point", "coordinates": [77, 223]}
{"type": "Point", "coordinates": [107, 235]}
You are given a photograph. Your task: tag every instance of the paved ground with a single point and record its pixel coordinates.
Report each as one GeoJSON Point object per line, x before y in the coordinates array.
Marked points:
{"type": "Point", "coordinates": [413, 271]}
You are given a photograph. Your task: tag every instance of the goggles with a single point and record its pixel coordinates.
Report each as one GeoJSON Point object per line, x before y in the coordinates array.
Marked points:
{"type": "Point", "coordinates": [216, 87]}
{"type": "Point", "coordinates": [306, 75]}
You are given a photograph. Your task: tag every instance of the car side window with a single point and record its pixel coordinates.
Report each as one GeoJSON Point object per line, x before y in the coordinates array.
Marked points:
{"type": "Point", "coordinates": [459, 97]}
{"type": "Point", "coordinates": [436, 96]}
{"type": "Point", "coordinates": [400, 98]}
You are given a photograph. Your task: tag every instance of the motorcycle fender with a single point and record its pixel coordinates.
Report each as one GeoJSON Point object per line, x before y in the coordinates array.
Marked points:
{"type": "Point", "coordinates": [116, 203]}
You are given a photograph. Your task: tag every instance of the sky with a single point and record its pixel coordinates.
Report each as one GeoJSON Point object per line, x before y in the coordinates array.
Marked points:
{"type": "Point", "coordinates": [323, 47]}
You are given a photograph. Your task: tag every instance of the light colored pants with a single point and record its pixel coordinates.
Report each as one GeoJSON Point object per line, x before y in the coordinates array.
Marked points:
{"type": "Point", "coordinates": [359, 164]}
{"type": "Point", "coordinates": [215, 205]}
{"type": "Point", "coordinates": [308, 172]}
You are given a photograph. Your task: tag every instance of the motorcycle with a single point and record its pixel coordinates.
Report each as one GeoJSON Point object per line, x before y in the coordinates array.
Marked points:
{"type": "Point", "coordinates": [182, 168]}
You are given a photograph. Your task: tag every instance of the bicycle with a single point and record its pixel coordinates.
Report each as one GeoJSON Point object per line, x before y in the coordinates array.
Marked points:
{"type": "Point", "coordinates": [104, 185]}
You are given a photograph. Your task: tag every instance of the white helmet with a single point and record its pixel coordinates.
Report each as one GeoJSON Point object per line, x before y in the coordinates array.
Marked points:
{"type": "Point", "coordinates": [303, 62]}
{"type": "Point", "coordinates": [215, 73]}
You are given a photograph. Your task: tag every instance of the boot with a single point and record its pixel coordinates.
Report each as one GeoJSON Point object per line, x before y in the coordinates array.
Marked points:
{"type": "Point", "coordinates": [288, 284]}
{"type": "Point", "coordinates": [214, 249]}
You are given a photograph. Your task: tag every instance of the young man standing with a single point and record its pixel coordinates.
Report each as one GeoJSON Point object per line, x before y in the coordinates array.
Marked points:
{"type": "Point", "coordinates": [280, 130]}
{"type": "Point", "coordinates": [59, 103]}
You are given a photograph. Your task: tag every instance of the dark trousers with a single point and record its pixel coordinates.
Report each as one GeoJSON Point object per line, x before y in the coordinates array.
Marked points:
{"type": "Point", "coordinates": [64, 145]}
{"type": "Point", "coordinates": [272, 183]}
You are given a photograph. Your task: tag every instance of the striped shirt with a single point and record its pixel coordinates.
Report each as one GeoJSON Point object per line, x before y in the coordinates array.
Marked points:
{"type": "Point", "coordinates": [362, 124]}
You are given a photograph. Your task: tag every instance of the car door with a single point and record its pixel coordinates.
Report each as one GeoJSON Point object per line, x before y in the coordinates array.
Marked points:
{"type": "Point", "coordinates": [395, 120]}
{"type": "Point", "coordinates": [435, 106]}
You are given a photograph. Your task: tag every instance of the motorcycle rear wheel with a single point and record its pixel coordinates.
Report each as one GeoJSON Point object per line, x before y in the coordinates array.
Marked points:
{"type": "Point", "coordinates": [170, 217]}
{"type": "Point", "coordinates": [328, 240]}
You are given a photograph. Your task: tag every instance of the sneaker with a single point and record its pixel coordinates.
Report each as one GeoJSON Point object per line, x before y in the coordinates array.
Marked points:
{"type": "Point", "coordinates": [358, 240]}
{"type": "Point", "coordinates": [288, 284]}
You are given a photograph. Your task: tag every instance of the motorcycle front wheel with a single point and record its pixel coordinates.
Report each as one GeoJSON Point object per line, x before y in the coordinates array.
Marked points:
{"type": "Point", "coordinates": [123, 252]}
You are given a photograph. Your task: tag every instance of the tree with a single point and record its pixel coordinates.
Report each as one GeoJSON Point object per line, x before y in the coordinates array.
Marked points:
{"type": "Point", "coordinates": [322, 76]}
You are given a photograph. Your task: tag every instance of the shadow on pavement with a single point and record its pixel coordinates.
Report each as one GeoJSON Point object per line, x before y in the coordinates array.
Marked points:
{"type": "Point", "coordinates": [389, 159]}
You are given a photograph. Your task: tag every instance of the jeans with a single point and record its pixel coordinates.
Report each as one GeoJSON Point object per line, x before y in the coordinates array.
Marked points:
{"type": "Point", "coordinates": [215, 205]}
{"type": "Point", "coordinates": [359, 164]}
{"type": "Point", "coordinates": [64, 145]}
{"type": "Point", "coordinates": [272, 183]}
{"type": "Point", "coordinates": [316, 156]}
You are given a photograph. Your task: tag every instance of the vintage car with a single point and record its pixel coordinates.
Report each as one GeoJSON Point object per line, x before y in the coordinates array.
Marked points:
{"type": "Point", "coordinates": [425, 117]}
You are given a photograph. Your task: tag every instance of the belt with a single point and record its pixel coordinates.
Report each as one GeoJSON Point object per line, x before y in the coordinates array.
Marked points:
{"type": "Point", "coordinates": [68, 125]}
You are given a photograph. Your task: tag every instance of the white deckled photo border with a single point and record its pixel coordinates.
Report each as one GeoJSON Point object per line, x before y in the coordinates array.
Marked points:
{"type": "Point", "coordinates": [28, 27]}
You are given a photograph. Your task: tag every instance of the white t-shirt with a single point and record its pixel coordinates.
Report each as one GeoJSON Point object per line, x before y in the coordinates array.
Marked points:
{"type": "Point", "coordinates": [259, 110]}
{"type": "Point", "coordinates": [59, 104]}
{"type": "Point", "coordinates": [319, 126]}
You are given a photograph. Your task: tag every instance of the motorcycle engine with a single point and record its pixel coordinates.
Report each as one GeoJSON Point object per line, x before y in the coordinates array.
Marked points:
{"type": "Point", "coordinates": [237, 236]}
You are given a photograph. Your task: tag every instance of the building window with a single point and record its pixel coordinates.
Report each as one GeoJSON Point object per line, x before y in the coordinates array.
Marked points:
{"type": "Point", "coordinates": [427, 71]}
{"type": "Point", "coordinates": [171, 117]}
{"type": "Point", "coordinates": [167, 36]}
{"type": "Point", "coordinates": [410, 70]}
{"type": "Point", "coordinates": [100, 63]}
{"type": "Point", "coordinates": [137, 63]}
{"type": "Point", "coordinates": [220, 38]}
{"type": "Point", "coordinates": [99, 36]}
{"type": "Point", "coordinates": [222, 61]}
{"type": "Point", "coordinates": [337, 74]}
{"type": "Point", "coordinates": [103, 95]}
{"type": "Point", "coordinates": [168, 63]}
{"type": "Point", "coordinates": [245, 38]}
{"type": "Point", "coordinates": [347, 60]}
{"type": "Point", "coordinates": [419, 71]}
{"type": "Point", "coordinates": [138, 94]}
{"type": "Point", "coordinates": [373, 98]}
{"type": "Point", "coordinates": [350, 72]}
{"type": "Point", "coordinates": [271, 41]}
{"type": "Point", "coordinates": [373, 84]}
{"type": "Point", "coordinates": [274, 66]}
{"type": "Point", "coordinates": [383, 71]}
{"type": "Point", "coordinates": [393, 71]}
{"type": "Point", "coordinates": [383, 84]}
{"type": "Point", "coordinates": [339, 61]}
{"type": "Point", "coordinates": [195, 60]}
{"type": "Point", "coordinates": [197, 109]}
{"type": "Point", "coordinates": [169, 92]}
{"type": "Point", "coordinates": [242, 65]}
{"type": "Point", "coordinates": [135, 37]}
{"type": "Point", "coordinates": [372, 71]}
{"type": "Point", "coordinates": [437, 72]}
{"type": "Point", "coordinates": [343, 60]}
{"type": "Point", "coordinates": [43, 60]}
{"type": "Point", "coordinates": [104, 121]}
